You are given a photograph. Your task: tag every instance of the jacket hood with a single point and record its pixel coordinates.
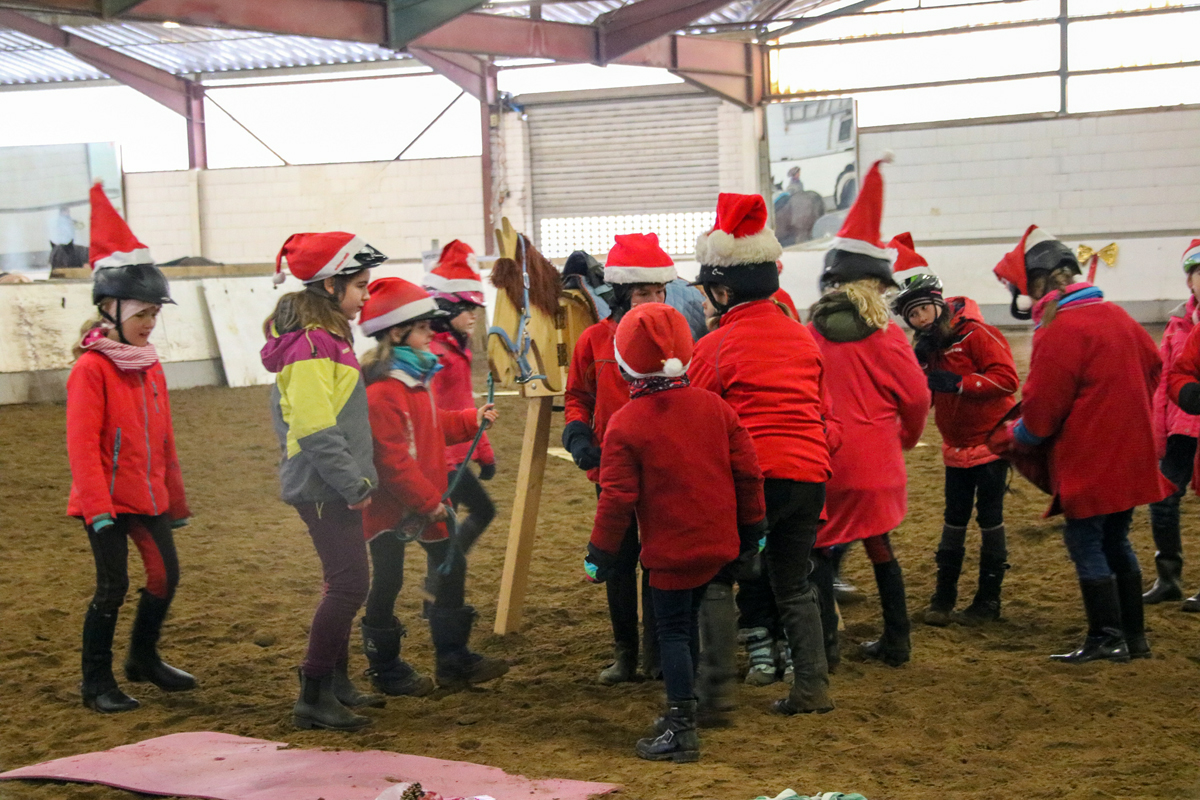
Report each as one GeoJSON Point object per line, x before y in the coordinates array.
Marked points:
{"type": "Point", "coordinates": [837, 319]}
{"type": "Point", "coordinates": [275, 352]}
{"type": "Point", "coordinates": [1186, 309]}
{"type": "Point", "coordinates": [963, 309]}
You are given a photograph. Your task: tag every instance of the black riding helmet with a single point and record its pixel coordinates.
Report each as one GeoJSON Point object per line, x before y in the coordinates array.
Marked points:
{"type": "Point", "coordinates": [915, 289]}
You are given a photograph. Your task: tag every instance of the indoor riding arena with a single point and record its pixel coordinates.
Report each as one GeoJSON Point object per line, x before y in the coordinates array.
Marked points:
{"type": "Point", "coordinates": [185, 144]}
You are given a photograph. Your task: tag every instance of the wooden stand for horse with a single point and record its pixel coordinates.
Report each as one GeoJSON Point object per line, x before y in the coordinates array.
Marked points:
{"type": "Point", "coordinates": [554, 321]}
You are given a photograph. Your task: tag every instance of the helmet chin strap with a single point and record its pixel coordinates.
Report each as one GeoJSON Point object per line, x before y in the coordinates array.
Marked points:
{"type": "Point", "coordinates": [719, 306]}
{"type": "Point", "coordinates": [116, 323]}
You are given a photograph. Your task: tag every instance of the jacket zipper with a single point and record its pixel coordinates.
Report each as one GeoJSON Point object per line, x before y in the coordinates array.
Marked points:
{"type": "Point", "coordinates": [112, 486]}
{"type": "Point", "coordinates": [149, 456]}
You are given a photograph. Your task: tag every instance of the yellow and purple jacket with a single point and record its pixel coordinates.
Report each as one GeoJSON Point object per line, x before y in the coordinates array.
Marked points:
{"type": "Point", "coordinates": [319, 408]}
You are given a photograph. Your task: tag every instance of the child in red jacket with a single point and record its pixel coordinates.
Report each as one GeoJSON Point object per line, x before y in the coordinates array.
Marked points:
{"type": "Point", "coordinates": [457, 288]}
{"type": "Point", "coordinates": [125, 478]}
{"type": "Point", "coordinates": [1101, 443]}
{"type": "Point", "coordinates": [1175, 433]}
{"type": "Point", "coordinates": [973, 379]}
{"type": "Point", "coordinates": [693, 522]}
{"type": "Point", "coordinates": [410, 436]}
{"type": "Point", "coordinates": [638, 270]}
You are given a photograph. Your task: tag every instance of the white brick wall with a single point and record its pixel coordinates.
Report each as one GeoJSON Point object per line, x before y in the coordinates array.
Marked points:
{"type": "Point", "coordinates": [1089, 175]}
{"type": "Point", "coordinates": [737, 139]}
{"type": "Point", "coordinates": [240, 216]}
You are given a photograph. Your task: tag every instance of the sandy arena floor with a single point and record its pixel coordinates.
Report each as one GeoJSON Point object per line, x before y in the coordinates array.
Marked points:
{"type": "Point", "coordinates": [978, 713]}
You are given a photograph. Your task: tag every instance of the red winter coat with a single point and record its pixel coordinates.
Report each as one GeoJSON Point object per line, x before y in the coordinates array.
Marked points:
{"type": "Point", "coordinates": [980, 354]}
{"type": "Point", "coordinates": [880, 399]}
{"type": "Point", "coordinates": [595, 388]}
{"type": "Point", "coordinates": [768, 368]}
{"type": "Point", "coordinates": [453, 391]}
{"type": "Point", "coordinates": [120, 442]}
{"type": "Point", "coordinates": [680, 460]}
{"type": "Point", "coordinates": [410, 438]}
{"type": "Point", "coordinates": [1091, 383]}
{"type": "Point", "coordinates": [1170, 419]}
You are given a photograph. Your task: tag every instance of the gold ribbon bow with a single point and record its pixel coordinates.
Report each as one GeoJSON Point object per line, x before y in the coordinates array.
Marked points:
{"type": "Point", "coordinates": [1107, 254]}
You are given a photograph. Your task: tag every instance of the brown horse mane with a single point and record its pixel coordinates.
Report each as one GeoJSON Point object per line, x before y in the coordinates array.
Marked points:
{"type": "Point", "coordinates": [545, 287]}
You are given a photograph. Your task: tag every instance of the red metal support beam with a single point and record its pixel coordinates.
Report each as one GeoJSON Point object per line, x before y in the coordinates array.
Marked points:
{"type": "Point", "coordinates": [631, 26]}
{"type": "Point", "coordinates": [473, 74]}
{"type": "Point", "coordinates": [178, 94]}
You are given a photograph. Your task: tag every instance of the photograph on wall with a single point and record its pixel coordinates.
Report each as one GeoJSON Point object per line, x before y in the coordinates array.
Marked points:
{"type": "Point", "coordinates": [44, 208]}
{"type": "Point", "coordinates": [813, 147]}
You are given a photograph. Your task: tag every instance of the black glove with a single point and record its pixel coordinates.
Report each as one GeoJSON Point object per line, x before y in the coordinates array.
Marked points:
{"type": "Point", "coordinates": [577, 439]}
{"type": "Point", "coordinates": [1189, 398]}
{"type": "Point", "coordinates": [945, 382]}
{"type": "Point", "coordinates": [748, 566]}
{"type": "Point", "coordinates": [598, 565]}
{"type": "Point", "coordinates": [487, 471]}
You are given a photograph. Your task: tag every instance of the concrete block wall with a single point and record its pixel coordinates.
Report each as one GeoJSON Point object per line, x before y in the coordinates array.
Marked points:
{"type": "Point", "coordinates": [737, 141]}
{"type": "Point", "coordinates": [513, 170]}
{"type": "Point", "coordinates": [242, 216]}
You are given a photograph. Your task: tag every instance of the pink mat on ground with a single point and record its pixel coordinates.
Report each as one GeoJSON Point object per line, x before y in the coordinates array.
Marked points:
{"type": "Point", "coordinates": [219, 766]}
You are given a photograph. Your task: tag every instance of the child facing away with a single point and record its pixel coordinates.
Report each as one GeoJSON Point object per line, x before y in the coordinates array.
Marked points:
{"type": "Point", "coordinates": [637, 268]}
{"type": "Point", "coordinates": [677, 458]}
{"type": "Point", "coordinates": [411, 435]}
{"type": "Point", "coordinates": [125, 478]}
{"type": "Point", "coordinates": [881, 401]}
{"type": "Point", "coordinates": [1175, 432]}
{"type": "Point", "coordinates": [457, 288]}
{"type": "Point", "coordinates": [319, 409]}
{"type": "Point", "coordinates": [974, 381]}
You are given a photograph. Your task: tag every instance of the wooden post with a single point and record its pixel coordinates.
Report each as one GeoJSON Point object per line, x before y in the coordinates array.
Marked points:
{"type": "Point", "coordinates": [523, 529]}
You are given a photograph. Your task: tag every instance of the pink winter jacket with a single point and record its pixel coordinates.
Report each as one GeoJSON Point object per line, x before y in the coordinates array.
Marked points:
{"type": "Point", "coordinates": [452, 390]}
{"type": "Point", "coordinates": [1169, 419]}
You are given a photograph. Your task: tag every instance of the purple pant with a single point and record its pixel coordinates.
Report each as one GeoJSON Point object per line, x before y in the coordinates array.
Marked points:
{"type": "Point", "coordinates": [337, 533]}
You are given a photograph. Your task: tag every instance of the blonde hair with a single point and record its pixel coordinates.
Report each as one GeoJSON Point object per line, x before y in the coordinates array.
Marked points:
{"type": "Point", "coordinates": [867, 296]}
{"type": "Point", "coordinates": [312, 309]}
{"type": "Point", "coordinates": [378, 362]}
{"type": "Point", "coordinates": [77, 350]}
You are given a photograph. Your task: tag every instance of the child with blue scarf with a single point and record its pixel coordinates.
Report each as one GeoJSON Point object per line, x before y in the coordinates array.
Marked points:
{"type": "Point", "coordinates": [410, 436]}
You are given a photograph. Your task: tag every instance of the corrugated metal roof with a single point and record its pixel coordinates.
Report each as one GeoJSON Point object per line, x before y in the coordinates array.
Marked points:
{"type": "Point", "coordinates": [179, 50]}
{"type": "Point", "coordinates": [586, 11]}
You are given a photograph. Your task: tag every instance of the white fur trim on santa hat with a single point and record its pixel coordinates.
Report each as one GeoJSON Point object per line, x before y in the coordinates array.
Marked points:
{"type": "Point", "coordinates": [640, 274]}
{"type": "Point", "coordinates": [337, 264]}
{"type": "Point", "coordinates": [129, 259]}
{"type": "Point", "coordinates": [1024, 302]}
{"type": "Point", "coordinates": [438, 283]}
{"type": "Point", "coordinates": [672, 367]}
{"type": "Point", "coordinates": [1036, 237]}
{"type": "Point", "coordinates": [888, 254]}
{"type": "Point", "coordinates": [398, 316]}
{"type": "Point", "coordinates": [719, 249]}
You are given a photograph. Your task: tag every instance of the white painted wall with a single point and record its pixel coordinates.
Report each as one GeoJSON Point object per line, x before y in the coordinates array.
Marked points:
{"type": "Point", "coordinates": [243, 216]}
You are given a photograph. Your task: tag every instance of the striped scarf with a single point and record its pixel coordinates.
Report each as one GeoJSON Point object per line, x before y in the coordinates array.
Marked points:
{"type": "Point", "coordinates": [126, 357]}
{"type": "Point", "coordinates": [640, 387]}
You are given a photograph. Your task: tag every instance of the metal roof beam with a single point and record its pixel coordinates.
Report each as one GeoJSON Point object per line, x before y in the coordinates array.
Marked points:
{"type": "Point", "coordinates": [474, 75]}
{"type": "Point", "coordinates": [631, 26]}
{"type": "Point", "coordinates": [808, 22]}
{"type": "Point", "coordinates": [410, 19]}
{"type": "Point", "coordinates": [115, 8]}
{"type": "Point", "coordinates": [181, 96]}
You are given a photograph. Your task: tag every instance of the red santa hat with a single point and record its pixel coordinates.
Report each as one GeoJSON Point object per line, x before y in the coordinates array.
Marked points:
{"type": "Point", "coordinates": [740, 234]}
{"type": "Point", "coordinates": [457, 273]}
{"type": "Point", "coordinates": [637, 258]}
{"type": "Point", "coordinates": [1011, 270]}
{"type": "Point", "coordinates": [1191, 257]}
{"type": "Point", "coordinates": [313, 257]}
{"type": "Point", "coordinates": [909, 263]}
{"type": "Point", "coordinates": [113, 243]}
{"type": "Point", "coordinates": [860, 231]}
{"type": "Point", "coordinates": [395, 301]}
{"type": "Point", "coordinates": [653, 340]}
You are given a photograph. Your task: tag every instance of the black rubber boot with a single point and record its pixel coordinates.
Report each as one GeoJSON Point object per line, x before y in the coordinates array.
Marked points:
{"type": "Point", "coordinates": [1168, 556]}
{"type": "Point", "coordinates": [1192, 604]}
{"type": "Point", "coordinates": [457, 666]}
{"type": "Point", "coordinates": [99, 686]}
{"type": "Point", "coordinates": [821, 579]}
{"type": "Point", "coordinates": [949, 567]}
{"type": "Point", "coordinates": [349, 695]}
{"type": "Point", "coordinates": [800, 616]}
{"type": "Point", "coordinates": [389, 673]}
{"type": "Point", "coordinates": [894, 647]}
{"type": "Point", "coordinates": [1105, 640]}
{"type": "Point", "coordinates": [623, 668]}
{"type": "Point", "coordinates": [718, 655]}
{"type": "Point", "coordinates": [1133, 616]}
{"type": "Point", "coordinates": [318, 707]}
{"type": "Point", "coordinates": [986, 605]}
{"type": "Point", "coordinates": [679, 741]}
{"type": "Point", "coordinates": [143, 663]}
